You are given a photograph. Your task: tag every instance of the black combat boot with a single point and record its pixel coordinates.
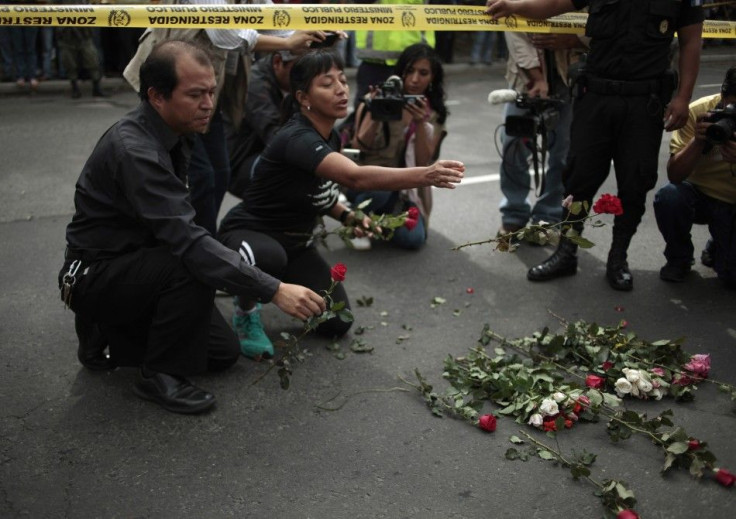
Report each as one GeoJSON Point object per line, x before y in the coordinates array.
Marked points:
{"type": "Point", "coordinates": [76, 93]}
{"type": "Point", "coordinates": [564, 262]}
{"type": "Point", "coordinates": [617, 268]}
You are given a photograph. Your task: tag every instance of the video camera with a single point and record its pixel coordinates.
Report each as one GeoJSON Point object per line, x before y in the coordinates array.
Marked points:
{"type": "Point", "coordinates": [543, 115]}
{"type": "Point", "coordinates": [388, 104]}
{"type": "Point", "coordinates": [543, 112]}
{"type": "Point", "coordinates": [724, 125]}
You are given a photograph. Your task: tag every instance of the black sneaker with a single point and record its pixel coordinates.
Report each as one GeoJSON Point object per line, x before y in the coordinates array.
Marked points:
{"type": "Point", "coordinates": [674, 272]}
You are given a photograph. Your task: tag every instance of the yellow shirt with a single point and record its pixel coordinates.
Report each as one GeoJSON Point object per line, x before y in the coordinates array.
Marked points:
{"type": "Point", "coordinates": [712, 175]}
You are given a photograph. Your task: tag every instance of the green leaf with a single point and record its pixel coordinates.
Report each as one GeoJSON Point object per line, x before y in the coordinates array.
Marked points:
{"type": "Point", "coordinates": [546, 455]}
{"type": "Point", "coordinates": [678, 448]}
{"type": "Point", "coordinates": [515, 439]}
{"type": "Point", "coordinates": [669, 459]}
{"type": "Point", "coordinates": [512, 454]}
{"type": "Point", "coordinates": [358, 346]}
{"type": "Point", "coordinates": [365, 301]}
{"type": "Point", "coordinates": [438, 300]}
{"type": "Point", "coordinates": [346, 316]}
{"type": "Point", "coordinates": [336, 307]}
{"type": "Point", "coordinates": [581, 242]}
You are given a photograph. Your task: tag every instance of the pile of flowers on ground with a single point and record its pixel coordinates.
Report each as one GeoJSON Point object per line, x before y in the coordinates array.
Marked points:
{"type": "Point", "coordinates": [529, 380]}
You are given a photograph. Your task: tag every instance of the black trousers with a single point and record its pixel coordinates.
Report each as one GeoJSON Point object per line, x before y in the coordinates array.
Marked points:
{"type": "Point", "coordinates": [290, 261]}
{"type": "Point", "coordinates": [626, 130]}
{"type": "Point", "coordinates": [154, 313]}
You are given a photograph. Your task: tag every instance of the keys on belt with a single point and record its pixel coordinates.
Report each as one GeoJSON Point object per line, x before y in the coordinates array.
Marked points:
{"type": "Point", "coordinates": [68, 282]}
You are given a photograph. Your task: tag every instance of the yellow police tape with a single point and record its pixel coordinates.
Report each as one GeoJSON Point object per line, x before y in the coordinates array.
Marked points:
{"type": "Point", "coordinates": [375, 17]}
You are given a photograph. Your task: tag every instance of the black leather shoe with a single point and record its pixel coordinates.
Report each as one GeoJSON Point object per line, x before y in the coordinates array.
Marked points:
{"type": "Point", "coordinates": [619, 277]}
{"type": "Point", "coordinates": [175, 394]}
{"type": "Point", "coordinates": [564, 262]}
{"type": "Point", "coordinates": [674, 272]}
{"type": "Point", "coordinates": [92, 344]}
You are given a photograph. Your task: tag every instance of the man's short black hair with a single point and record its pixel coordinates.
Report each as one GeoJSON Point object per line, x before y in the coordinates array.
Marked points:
{"type": "Point", "coordinates": [729, 83]}
{"type": "Point", "coordinates": [159, 69]}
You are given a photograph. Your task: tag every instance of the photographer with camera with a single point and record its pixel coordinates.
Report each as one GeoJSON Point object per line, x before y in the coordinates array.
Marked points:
{"type": "Point", "coordinates": [538, 67]}
{"type": "Point", "coordinates": [702, 188]}
{"type": "Point", "coordinates": [623, 101]}
{"type": "Point", "coordinates": [402, 123]}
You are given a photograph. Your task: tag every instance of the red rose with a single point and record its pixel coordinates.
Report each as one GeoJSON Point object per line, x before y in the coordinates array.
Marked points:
{"type": "Point", "coordinates": [725, 478]}
{"type": "Point", "coordinates": [549, 425]}
{"type": "Point", "coordinates": [487, 422]}
{"type": "Point", "coordinates": [568, 424]}
{"type": "Point", "coordinates": [595, 382]}
{"type": "Point", "coordinates": [627, 514]}
{"type": "Point", "coordinates": [338, 272]}
{"type": "Point", "coordinates": [607, 365]}
{"type": "Point", "coordinates": [413, 213]}
{"type": "Point", "coordinates": [608, 204]}
{"type": "Point", "coordinates": [693, 445]}
{"type": "Point", "coordinates": [410, 223]}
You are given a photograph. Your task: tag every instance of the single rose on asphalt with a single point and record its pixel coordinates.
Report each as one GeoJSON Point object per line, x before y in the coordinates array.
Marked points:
{"type": "Point", "coordinates": [725, 478]}
{"type": "Point", "coordinates": [487, 422]}
{"type": "Point", "coordinates": [627, 514]}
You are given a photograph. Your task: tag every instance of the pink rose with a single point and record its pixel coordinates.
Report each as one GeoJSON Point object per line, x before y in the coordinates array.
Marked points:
{"type": "Point", "coordinates": [338, 272]}
{"type": "Point", "coordinates": [658, 371]}
{"type": "Point", "coordinates": [682, 380]}
{"type": "Point", "coordinates": [627, 514]}
{"type": "Point", "coordinates": [725, 478]}
{"type": "Point", "coordinates": [699, 365]}
{"type": "Point", "coordinates": [608, 204]}
{"type": "Point", "coordinates": [595, 382]}
{"type": "Point", "coordinates": [487, 422]}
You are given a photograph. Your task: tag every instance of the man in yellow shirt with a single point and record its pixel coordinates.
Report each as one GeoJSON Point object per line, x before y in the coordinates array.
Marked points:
{"type": "Point", "coordinates": [702, 188]}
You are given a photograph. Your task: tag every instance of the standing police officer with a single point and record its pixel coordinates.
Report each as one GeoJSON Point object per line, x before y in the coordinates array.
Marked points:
{"type": "Point", "coordinates": [622, 100]}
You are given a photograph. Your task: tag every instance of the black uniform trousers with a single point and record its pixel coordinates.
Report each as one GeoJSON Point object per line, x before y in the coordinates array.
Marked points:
{"type": "Point", "coordinates": [626, 129]}
{"type": "Point", "coordinates": [154, 313]}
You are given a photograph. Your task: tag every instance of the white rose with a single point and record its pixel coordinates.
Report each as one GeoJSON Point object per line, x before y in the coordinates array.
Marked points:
{"type": "Point", "coordinates": [632, 375]}
{"type": "Point", "coordinates": [623, 387]}
{"type": "Point", "coordinates": [559, 397]}
{"type": "Point", "coordinates": [536, 420]}
{"type": "Point", "coordinates": [657, 394]}
{"type": "Point", "coordinates": [549, 407]}
{"type": "Point", "coordinates": [644, 386]}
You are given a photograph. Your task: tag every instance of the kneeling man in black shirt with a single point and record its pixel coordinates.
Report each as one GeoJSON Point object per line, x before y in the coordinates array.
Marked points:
{"type": "Point", "coordinates": [139, 274]}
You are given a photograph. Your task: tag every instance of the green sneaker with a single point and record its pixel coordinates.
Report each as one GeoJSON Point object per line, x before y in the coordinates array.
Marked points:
{"type": "Point", "coordinates": [254, 343]}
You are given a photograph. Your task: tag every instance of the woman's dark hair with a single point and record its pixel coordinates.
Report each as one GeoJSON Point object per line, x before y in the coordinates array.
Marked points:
{"type": "Point", "coordinates": [159, 69]}
{"type": "Point", "coordinates": [436, 91]}
{"type": "Point", "coordinates": [729, 83]}
{"type": "Point", "coordinates": [306, 68]}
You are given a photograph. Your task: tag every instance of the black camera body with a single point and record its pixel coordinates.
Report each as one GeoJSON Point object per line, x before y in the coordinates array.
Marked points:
{"type": "Point", "coordinates": [543, 114]}
{"type": "Point", "coordinates": [388, 104]}
{"type": "Point", "coordinates": [724, 125]}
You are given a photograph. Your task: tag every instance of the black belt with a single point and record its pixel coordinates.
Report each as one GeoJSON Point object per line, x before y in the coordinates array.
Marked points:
{"type": "Point", "coordinates": [622, 88]}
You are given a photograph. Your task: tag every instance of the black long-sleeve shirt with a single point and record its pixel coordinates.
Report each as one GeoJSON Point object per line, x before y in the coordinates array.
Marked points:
{"type": "Point", "coordinates": [133, 193]}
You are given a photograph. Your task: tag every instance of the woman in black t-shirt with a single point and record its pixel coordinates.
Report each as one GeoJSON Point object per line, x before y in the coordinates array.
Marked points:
{"type": "Point", "coordinates": [295, 180]}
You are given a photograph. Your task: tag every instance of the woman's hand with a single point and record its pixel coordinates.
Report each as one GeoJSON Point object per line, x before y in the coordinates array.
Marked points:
{"type": "Point", "coordinates": [298, 301]}
{"type": "Point", "coordinates": [445, 173]}
{"type": "Point", "coordinates": [364, 229]}
{"type": "Point", "coordinates": [417, 109]}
